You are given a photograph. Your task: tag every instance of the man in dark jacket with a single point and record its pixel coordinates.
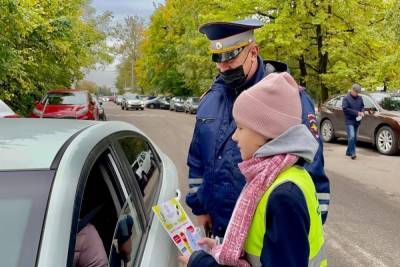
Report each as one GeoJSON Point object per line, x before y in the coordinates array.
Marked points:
{"type": "Point", "coordinates": [353, 106]}
{"type": "Point", "coordinates": [215, 181]}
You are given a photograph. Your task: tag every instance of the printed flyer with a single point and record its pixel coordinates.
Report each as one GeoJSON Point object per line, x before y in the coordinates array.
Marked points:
{"type": "Point", "coordinates": [178, 225]}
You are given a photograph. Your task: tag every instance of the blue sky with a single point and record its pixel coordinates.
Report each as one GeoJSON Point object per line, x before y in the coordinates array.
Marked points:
{"type": "Point", "coordinates": [120, 10]}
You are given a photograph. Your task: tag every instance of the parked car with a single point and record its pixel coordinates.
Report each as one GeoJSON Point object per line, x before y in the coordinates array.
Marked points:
{"type": "Point", "coordinates": [131, 101]}
{"type": "Point", "coordinates": [143, 166]}
{"type": "Point", "coordinates": [147, 97]}
{"type": "Point", "coordinates": [165, 104]}
{"type": "Point", "coordinates": [6, 111]}
{"type": "Point", "coordinates": [380, 125]}
{"type": "Point", "coordinates": [191, 105]}
{"type": "Point", "coordinates": [177, 103]}
{"type": "Point", "coordinates": [104, 98]}
{"type": "Point", "coordinates": [158, 102]}
{"type": "Point", "coordinates": [99, 105]}
{"type": "Point", "coordinates": [60, 176]}
{"type": "Point", "coordinates": [118, 99]}
{"type": "Point", "coordinates": [66, 104]}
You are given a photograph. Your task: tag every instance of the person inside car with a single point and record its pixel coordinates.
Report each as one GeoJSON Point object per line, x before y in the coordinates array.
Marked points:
{"type": "Point", "coordinates": [89, 248]}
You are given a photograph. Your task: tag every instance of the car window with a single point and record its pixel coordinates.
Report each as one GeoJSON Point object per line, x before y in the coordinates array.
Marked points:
{"type": "Point", "coordinates": [332, 102]}
{"type": "Point", "coordinates": [23, 202]}
{"type": "Point", "coordinates": [339, 102]}
{"type": "Point", "coordinates": [127, 236]}
{"type": "Point", "coordinates": [367, 102]}
{"type": "Point", "coordinates": [65, 98]}
{"type": "Point", "coordinates": [98, 216]}
{"type": "Point", "coordinates": [391, 103]}
{"type": "Point", "coordinates": [144, 167]}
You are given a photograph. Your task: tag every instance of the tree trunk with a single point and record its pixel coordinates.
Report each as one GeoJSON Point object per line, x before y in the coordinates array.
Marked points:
{"type": "Point", "coordinates": [322, 63]}
{"type": "Point", "coordinates": [303, 71]}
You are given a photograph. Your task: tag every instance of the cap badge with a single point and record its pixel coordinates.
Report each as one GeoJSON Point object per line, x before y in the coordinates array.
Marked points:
{"type": "Point", "coordinates": [218, 45]}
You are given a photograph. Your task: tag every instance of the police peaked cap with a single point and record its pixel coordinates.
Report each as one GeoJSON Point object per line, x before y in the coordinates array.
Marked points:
{"type": "Point", "coordinates": [228, 38]}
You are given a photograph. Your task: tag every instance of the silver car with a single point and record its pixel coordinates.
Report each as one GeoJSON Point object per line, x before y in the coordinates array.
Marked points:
{"type": "Point", "coordinates": [58, 177]}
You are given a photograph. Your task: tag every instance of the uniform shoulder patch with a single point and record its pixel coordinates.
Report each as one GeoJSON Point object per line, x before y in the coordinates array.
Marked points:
{"type": "Point", "coordinates": [313, 125]}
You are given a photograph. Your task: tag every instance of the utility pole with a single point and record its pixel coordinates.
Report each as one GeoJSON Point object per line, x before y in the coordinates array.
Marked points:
{"type": "Point", "coordinates": [132, 81]}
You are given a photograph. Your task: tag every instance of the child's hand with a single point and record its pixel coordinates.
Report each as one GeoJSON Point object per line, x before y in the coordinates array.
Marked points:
{"type": "Point", "coordinates": [184, 260]}
{"type": "Point", "coordinates": [209, 242]}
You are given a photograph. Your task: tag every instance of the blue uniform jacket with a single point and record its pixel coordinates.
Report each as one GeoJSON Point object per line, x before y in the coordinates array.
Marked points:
{"type": "Point", "coordinates": [215, 181]}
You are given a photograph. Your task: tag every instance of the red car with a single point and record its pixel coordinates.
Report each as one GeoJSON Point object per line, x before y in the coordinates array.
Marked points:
{"type": "Point", "coordinates": [66, 104]}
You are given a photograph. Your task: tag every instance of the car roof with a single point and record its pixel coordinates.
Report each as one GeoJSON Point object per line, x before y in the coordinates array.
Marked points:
{"type": "Point", "coordinates": [21, 141]}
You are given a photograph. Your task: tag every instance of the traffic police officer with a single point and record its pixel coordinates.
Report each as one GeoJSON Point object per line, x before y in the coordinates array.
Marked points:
{"type": "Point", "coordinates": [215, 181]}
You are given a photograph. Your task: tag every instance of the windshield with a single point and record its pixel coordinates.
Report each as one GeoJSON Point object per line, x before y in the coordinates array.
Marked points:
{"type": "Point", "coordinates": [180, 99]}
{"type": "Point", "coordinates": [391, 103]}
{"type": "Point", "coordinates": [132, 97]}
{"type": "Point", "coordinates": [388, 101]}
{"type": "Point", "coordinates": [23, 201]}
{"type": "Point", "coordinates": [66, 98]}
{"type": "Point", "coordinates": [196, 100]}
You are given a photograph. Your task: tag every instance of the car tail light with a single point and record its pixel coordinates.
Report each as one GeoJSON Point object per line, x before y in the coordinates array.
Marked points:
{"type": "Point", "coordinates": [82, 111]}
{"type": "Point", "coordinates": [37, 112]}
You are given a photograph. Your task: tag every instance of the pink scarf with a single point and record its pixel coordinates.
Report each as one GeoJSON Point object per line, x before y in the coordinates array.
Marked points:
{"type": "Point", "coordinates": [260, 173]}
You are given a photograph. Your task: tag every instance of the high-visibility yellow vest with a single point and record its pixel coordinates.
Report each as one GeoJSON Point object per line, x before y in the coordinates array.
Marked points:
{"type": "Point", "coordinates": [257, 230]}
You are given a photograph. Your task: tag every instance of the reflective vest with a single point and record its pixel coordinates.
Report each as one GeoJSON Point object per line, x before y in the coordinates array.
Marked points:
{"type": "Point", "coordinates": [257, 230]}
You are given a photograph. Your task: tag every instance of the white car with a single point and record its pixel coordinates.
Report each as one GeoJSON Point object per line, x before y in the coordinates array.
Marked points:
{"type": "Point", "coordinates": [6, 111]}
{"type": "Point", "coordinates": [143, 166]}
{"type": "Point", "coordinates": [131, 101]}
{"type": "Point", "coordinates": [58, 177]}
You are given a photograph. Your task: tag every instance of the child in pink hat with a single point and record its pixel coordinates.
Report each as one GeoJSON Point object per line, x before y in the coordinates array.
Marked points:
{"type": "Point", "coordinates": [276, 220]}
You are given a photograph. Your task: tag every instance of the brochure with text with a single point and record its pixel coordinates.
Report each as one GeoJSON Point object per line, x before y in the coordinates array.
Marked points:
{"type": "Point", "coordinates": [179, 226]}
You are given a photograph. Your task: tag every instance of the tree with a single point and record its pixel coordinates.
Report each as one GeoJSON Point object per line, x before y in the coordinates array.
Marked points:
{"type": "Point", "coordinates": [173, 54]}
{"type": "Point", "coordinates": [46, 44]}
{"type": "Point", "coordinates": [328, 45]}
{"type": "Point", "coordinates": [128, 36]}
{"type": "Point", "coordinates": [87, 85]}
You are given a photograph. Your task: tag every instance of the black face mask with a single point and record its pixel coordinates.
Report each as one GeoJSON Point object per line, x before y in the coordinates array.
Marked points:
{"type": "Point", "coordinates": [236, 78]}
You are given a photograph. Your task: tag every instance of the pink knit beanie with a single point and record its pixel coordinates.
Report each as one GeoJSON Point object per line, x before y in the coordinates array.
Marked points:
{"type": "Point", "coordinates": [269, 107]}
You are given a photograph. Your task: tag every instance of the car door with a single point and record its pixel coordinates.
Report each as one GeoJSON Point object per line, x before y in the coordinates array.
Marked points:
{"type": "Point", "coordinates": [109, 222]}
{"type": "Point", "coordinates": [337, 116]}
{"type": "Point", "coordinates": [156, 240]}
{"type": "Point", "coordinates": [369, 121]}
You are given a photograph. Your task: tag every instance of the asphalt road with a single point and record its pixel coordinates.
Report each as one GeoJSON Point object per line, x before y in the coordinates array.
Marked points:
{"type": "Point", "coordinates": [363, 227]}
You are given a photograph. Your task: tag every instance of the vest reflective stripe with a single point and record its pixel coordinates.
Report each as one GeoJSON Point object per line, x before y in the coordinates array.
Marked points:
{"type": "Point", "coordinates": [319, 260]}
{"type": "Point", "coordinates": [255, 235]}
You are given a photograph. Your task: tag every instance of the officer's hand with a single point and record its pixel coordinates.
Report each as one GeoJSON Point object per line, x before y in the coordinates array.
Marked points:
{"type": "Point", "coordinates": [204, 220]}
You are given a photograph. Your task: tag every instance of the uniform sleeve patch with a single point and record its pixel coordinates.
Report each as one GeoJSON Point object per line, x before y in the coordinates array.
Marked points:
{"type": "Point", "coordinates": [313, 125]}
